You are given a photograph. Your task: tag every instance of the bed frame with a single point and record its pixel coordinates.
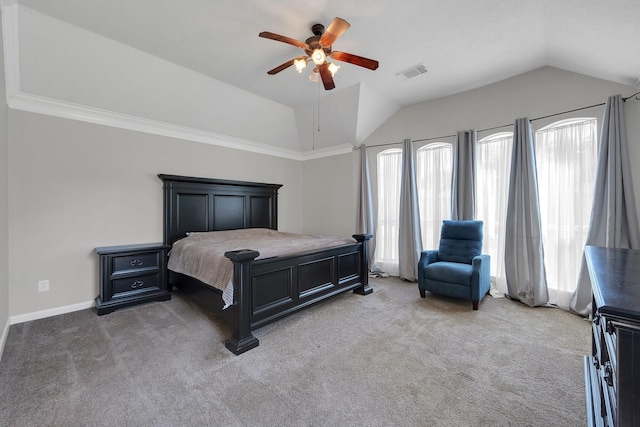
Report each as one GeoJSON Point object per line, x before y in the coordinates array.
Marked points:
{"type": "Point", "coordinates": [265, 290]}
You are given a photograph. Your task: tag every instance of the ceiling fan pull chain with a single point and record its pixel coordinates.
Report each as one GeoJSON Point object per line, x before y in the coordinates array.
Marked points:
{"type": "Point", "coordinates": [313, 119]}
{"type": "Point", "coordinates": [318, 98]}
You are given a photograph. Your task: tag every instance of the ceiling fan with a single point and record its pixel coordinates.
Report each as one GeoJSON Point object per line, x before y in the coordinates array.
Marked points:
{"type": "Point", "coordinates": [317, 49]}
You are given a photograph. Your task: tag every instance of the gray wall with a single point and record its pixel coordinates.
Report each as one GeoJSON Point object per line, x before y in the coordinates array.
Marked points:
{"type": "Point", "coordinates": [330, 196]}
{"type": "Point", "coordinates": [4, 192]}
{"type": "Point", "coordinates": [535, 94]}
{"type": "Point", "coordinates": [74, 186]}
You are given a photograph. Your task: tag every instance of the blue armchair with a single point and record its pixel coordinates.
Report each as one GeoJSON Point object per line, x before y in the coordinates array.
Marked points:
{"type": "Point", "coordinates": [457, 268]}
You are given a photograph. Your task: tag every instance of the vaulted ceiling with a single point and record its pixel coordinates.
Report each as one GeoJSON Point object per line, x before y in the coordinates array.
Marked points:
{"type": "Point", "coordinates": [464, 44]}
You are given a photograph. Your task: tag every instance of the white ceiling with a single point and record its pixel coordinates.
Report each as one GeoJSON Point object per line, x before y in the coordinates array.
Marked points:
{"type": "Point", "coordinates": [463, 43]}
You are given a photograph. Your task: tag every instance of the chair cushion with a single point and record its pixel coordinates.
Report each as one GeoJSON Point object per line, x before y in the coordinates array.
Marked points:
{"type": "Point", "coordinates": [451, 272]}
{"type": "Point", "coordinates": [460, 241]}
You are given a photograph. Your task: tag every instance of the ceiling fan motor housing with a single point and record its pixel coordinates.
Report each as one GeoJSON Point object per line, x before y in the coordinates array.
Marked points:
{"type": "Point", "coordinates": [317, 29]}
{"type": "Point", "coordinates": [314, 43]}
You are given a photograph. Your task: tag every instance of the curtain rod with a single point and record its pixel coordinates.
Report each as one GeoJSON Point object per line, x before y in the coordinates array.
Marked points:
{"type": "Point", "coordinates": [503, 126]}
{"type": "Point", "coordinates": [546, 117]}
{"type": "Point", "coordinates": [628, 97]}
{"type": "Point", "coordinates": [400, 142]}
{"type": "Point", "coordinates": [563, 112]}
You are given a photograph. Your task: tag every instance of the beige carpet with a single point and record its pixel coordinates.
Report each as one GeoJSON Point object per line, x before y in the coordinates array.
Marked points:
{"type": "Point", "coordinates": [386, 359]}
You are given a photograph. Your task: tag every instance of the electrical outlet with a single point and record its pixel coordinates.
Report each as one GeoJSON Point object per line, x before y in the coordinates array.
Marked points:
{"type": "Point", "coordinates": [43, 285]}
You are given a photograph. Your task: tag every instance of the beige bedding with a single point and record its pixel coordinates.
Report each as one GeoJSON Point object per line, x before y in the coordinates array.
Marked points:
{"type": "Point", "coordinates": [201, 255]}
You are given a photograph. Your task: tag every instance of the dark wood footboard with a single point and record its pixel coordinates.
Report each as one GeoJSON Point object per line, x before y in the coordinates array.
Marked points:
{"type": "Point", "coordinates": [269, 289]}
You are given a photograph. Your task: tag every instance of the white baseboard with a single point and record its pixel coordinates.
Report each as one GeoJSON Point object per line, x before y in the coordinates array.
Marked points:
{"type": "Point", "coordinates": [3, 337]}
{"type": "Point", "coordinates": [21, 318]}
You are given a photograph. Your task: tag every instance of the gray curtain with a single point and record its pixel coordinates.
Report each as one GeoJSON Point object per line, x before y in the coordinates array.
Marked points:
{"type": "Point", "coordinates": [366, 218]}
{"type": "Point", "coordinates": [410, 240]}
{"type": "Point", "coordinates": [524, 255]}
{"type": "Point", "coordinates": [463, 181]}
{"type": "Point", "coordinates": [614, 220]}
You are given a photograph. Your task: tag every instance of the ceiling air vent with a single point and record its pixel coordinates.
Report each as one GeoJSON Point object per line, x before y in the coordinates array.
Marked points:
{"type": "Point", "coordinates": [411, 72]}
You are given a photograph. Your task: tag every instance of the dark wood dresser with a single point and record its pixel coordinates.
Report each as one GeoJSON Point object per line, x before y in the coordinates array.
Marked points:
{"type": "Point", "coordinates": [612, 372]}
{"type": "Point", "coordinates": [132, 274]}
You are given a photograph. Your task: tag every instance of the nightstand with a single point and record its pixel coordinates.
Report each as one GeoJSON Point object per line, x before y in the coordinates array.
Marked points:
{"type": "Point", "coordinates": [131, 274]}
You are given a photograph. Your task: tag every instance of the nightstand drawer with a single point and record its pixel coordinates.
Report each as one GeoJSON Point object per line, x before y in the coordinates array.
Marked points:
{"type": "Point", "coordinates": [127, 285]}
{"type": "Point", "coordinates": [136, 261]}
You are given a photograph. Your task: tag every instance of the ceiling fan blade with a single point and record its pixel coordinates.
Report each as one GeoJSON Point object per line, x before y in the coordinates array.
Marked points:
{"type": "Point", "coordinates": [335, 30]}
{"type": "Point", "coordinates": [285, 65]}
{"type": "Point", "coordinates": [283, 39]}
{"type": "Point", "coordinates": [327, 78]}
{"type": "Point", "coordinates": [281, 67]}
{"type": "Point", "coordinates": [371, 64]}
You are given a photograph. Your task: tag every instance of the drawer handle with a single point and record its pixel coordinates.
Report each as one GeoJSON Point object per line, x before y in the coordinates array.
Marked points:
{"type": "Point", "coordinates": [608, 374]}
{"type": "Point", "coordinates": [137, 284]}
{"type": "Point", "coordinates": [136, 262]}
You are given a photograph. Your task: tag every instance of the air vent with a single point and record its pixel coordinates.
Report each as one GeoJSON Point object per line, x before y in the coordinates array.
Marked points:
{"type": "Point", "coordinates": [411, 72]}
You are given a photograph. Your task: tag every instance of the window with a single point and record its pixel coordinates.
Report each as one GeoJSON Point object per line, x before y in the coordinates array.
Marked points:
{"type": "Point", "coordinates": [566, 154]}
{"type": "Point", "coordinates": [433, 175]}
{"type": "Point", "coordinates": [492, 183]}
{"type": "Point", "coordinates": [389, 164]}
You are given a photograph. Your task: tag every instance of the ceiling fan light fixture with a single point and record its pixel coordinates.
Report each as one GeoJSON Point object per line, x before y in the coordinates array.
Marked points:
{"type": "Point", "coordinates": [333, 68]}
{"type": "Point", "coordinates": [318, 56]}
{"type": "Point", "coordinates": [315, 75]}
{"type": "Point", "coordinates": [300, 64]}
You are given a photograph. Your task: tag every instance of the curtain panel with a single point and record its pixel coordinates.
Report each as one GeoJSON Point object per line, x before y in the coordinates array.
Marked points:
{"type": "Point", "coordinates": [433, 171]}
{"type": "Point", "coordinates": [494, 156]}
{"type": "Point", "coordinates": [366, 215]}
{"type": "Point", "coordinates": [409, 239]}
{"type": "Point", "coordinates": [566, 163]}
{"type": "Point", "coordinates": [614, 219]}
{"type": "Point", "coordinates": [389, 165]}
{"type": "Point", "coordinates": [524, 255]}
{"type": "Point", "coordinates": [463, 178]}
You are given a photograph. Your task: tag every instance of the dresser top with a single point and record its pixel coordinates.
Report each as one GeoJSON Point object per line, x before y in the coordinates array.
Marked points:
{"type": "Point", "coordinates": [615, 280]}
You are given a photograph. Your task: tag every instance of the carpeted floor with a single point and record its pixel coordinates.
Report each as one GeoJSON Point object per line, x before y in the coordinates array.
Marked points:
{"type": "Point", "coordinates": [386, 359]}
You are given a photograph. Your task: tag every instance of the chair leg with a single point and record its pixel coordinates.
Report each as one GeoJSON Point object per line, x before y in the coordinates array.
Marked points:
{"type": "Point", "coordinates": [475, 305]}
{"type": "Point", "coordinates": [422, 294]}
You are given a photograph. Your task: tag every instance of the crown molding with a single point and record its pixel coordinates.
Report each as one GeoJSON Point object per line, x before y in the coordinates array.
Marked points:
{"type": "Point", "coordinates": [327, 152]}
{"type": "Point", "coordinates": [63, 109]}
{"type": "Point", "coordinates": [18, 100]}
{"type": "Point", "coordinates": [53, 107]}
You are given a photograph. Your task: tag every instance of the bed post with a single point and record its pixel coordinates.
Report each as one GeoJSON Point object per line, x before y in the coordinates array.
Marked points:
{"type": "Point", "coordinates": [364, 288]}
{"type": "Point", "coordinates": [242, 339]}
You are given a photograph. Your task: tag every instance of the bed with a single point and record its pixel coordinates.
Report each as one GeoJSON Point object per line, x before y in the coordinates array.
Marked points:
{"type": "Point", "coordinates": [264, 289]}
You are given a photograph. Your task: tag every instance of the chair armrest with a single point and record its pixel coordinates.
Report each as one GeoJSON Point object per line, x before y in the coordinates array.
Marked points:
{"type": "Point", "coordinates": [480, 276]}
{"type": "Point", "coordinates": [427, 257]}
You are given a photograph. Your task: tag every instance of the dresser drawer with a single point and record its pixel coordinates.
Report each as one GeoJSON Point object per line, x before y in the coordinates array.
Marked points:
{"type": "Point", "coordinates": [135, 261]}
{"type": "Point", "coordinates": [127, 285]}
{"type": "Point", "coordinates": [595, 417]}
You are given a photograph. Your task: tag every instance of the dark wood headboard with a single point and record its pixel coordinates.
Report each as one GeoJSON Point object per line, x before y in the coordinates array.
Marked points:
{"type": "Point", "coordinates": [203, 204]}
